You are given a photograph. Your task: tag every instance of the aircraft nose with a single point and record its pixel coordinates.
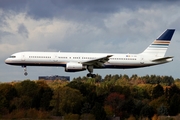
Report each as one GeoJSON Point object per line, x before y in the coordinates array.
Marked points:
{"type": "Point", "coordinates": [7, 61]}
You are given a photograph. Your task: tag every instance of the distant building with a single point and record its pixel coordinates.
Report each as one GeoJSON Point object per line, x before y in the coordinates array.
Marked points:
{"type": "Point", "coordinates": [54, 77]}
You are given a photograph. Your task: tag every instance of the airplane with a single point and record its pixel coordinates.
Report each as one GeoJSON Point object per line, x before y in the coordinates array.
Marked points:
{"type": "Point", "coordinates": [154, 54]}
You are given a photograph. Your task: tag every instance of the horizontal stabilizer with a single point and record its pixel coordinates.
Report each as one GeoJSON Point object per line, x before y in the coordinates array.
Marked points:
{"type": "Point", "coordinates": [161, 59]}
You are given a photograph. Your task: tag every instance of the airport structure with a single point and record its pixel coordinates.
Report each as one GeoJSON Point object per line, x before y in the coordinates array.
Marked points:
{"type": "Point", "coordinates": [54, 77]}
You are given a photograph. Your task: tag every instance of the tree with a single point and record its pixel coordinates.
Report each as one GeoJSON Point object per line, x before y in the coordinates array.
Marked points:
{"type": "Point", "coordinates": [27, 94]}
{"type": "Point", "coordinates": [82, 87]}
{"type": "Point", "coordinates": [137, 109]}
{"type": "Point", "coordinates": [147, 111]}
{"type": "Point", "coordinates": [170, 91]}
{"type": "Point", "coordinates": [134, 77]}
{"type": "Point", "coordinates": [66, 100]}
{"type": "Point", "coordinates": [169, 80]}
{"type": "Point", "coordinates": [23, 102]}
{"type": "Point", "coordinates": [8, 92]}
{"type": "Point", "coordinates": [159, 103]}
{"type": "Point", "coordinates": [98, 111]}
{"type": "Point", "coordinates": [44, 96]}
{"type": "Point", "coordinates": [98, 78]}
{"type": "Point", "coordinates": [86, 108]}
{"type": "Point", "coordinates": [107, 78]}
{"type": "Point", "coordinates": [162, 110]}
{"type": "Point", "coordinates": [27, 88]}
{"type": "Point", "coordinates": [115, 101]}
{"type": "Point", "coordinates": [157, 91]}
{"type": "Point", "coordinates": [125, 77]}
{"type": "Point", "coordinates": [139, 93]}
{"type": "Point", "coordinates": [174, 105]}
{"type": "Point", "coordinates": [3, 105]}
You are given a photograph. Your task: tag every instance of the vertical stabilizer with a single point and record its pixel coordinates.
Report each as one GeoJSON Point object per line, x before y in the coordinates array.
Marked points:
{"type": "Point", "coordinates": [159, 46]}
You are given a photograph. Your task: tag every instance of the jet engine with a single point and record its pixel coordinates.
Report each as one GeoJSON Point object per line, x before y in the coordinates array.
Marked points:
{"type": "Point", "coordinates": [74, 67]}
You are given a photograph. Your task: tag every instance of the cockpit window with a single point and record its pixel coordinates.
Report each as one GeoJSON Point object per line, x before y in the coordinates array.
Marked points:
{"type": "Point", "coordinates": [12, 56]}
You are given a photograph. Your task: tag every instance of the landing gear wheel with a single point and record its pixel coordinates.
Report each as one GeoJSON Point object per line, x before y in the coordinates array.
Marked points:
{"type": "Point", "coordinates": [91, 75]}
{"type": "Point", "coordinates": [25, 70]}
{"type": "Point", "coordinates": [25, 73]}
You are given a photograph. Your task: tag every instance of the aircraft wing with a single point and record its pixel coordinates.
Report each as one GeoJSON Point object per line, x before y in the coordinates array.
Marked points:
{"type": "Point", "coordinates": [161, 59]}
{"type": "Point", "coordinates": [99, 62]}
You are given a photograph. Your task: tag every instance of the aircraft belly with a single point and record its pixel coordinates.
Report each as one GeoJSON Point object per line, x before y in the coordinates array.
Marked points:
{"type": "Point", "coordinates": [125, 65]}
{"type": "Point", "coordinates": [38, 63]}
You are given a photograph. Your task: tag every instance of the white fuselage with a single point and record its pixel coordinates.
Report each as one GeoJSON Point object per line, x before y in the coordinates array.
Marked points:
{"type": "Point", "coordinates": [121, 61]}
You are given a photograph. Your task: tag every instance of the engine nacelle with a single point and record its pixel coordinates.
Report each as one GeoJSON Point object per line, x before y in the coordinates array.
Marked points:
{"type": "Point", "coordinates": [74, 67]}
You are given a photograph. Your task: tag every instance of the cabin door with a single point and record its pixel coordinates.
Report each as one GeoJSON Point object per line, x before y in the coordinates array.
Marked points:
{"type": "Point", "coordinates": [23, 57]}
{"type": "Point", "coordinates": [55, 58]}
{"type": "Point", "coordinates": [142, 60]}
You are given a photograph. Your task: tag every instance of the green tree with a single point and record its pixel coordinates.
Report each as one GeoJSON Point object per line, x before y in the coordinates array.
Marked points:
{"type": "Point", "coordinates": [66, 100]}
{"type": "Point", "coordinates": [157, 91]}
{"type": "Point", "coordinates": [82, 87]}
{"type": "Point", "coordinates": [88, 90]}
{"type": "Point", "coordinates": [22, 102]}
{"type": "Point", "coordinates": [86, 108]}
{"type": "Point", "coordinates": [139, 93]}
{"type": "Point", "coordinates": [8, 92]}
{"type": "Point", "coordinates": [98, 78]}
{"type": "Point", "coordinates": [162, 110]}
{"type": "Point", "coordinates": [134, 77]}
{"type": "Point", "coordinates": [3, 105]}
{"type": "Point", "coordinates": [27, 88]}
{"type": "Point", "coordinates": [174, 108]}
{"type": "Point", "coordinates": [158, 102]}
{"type": "Point", "coordinates": [107, 78]}
{"type": "Point", "coordinates": [98, 111]}
{"type": "Point", "coordinates": [147, 111]}
{"type": "Point", "coordinates": [125, 77]}
{"type": "Point", "coordinates": [137, 109]}
{"type": "Point", "coordinates": [169, 80]}
{"type": "Point", "coordinates": [44, 96]}
{"type": "Point", "coordinates": [27, 94]}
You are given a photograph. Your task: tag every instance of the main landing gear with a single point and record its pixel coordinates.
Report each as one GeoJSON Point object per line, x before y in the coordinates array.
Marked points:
{"type": "Point", "coordinates": [25, 70]}
{"type": "Point", "coordinates": [90, 69]}
{"type": "Point", "coordinates": [91, 75]}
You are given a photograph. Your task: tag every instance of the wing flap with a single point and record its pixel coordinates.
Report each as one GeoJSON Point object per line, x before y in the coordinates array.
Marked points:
{"type": "Point", "coordinates": [99, 62]}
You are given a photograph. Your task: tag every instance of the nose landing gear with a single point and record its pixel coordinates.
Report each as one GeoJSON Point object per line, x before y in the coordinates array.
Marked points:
{"type": "Point", "coordinates": [25, 70]}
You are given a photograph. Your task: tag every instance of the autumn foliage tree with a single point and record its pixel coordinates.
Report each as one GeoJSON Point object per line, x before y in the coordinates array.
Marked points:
{"type": "Point", "coordinates": [115, 101]}
{"type": "Point", "coordinates": [114, 96]}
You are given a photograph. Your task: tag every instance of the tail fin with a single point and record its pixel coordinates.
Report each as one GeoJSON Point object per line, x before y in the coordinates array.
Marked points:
{"type": "Point", "coordinates": [159, 47]}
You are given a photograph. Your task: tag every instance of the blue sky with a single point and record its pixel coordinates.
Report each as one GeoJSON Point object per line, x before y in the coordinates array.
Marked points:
{"type": "Point", "coordinates": [86, 26]}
